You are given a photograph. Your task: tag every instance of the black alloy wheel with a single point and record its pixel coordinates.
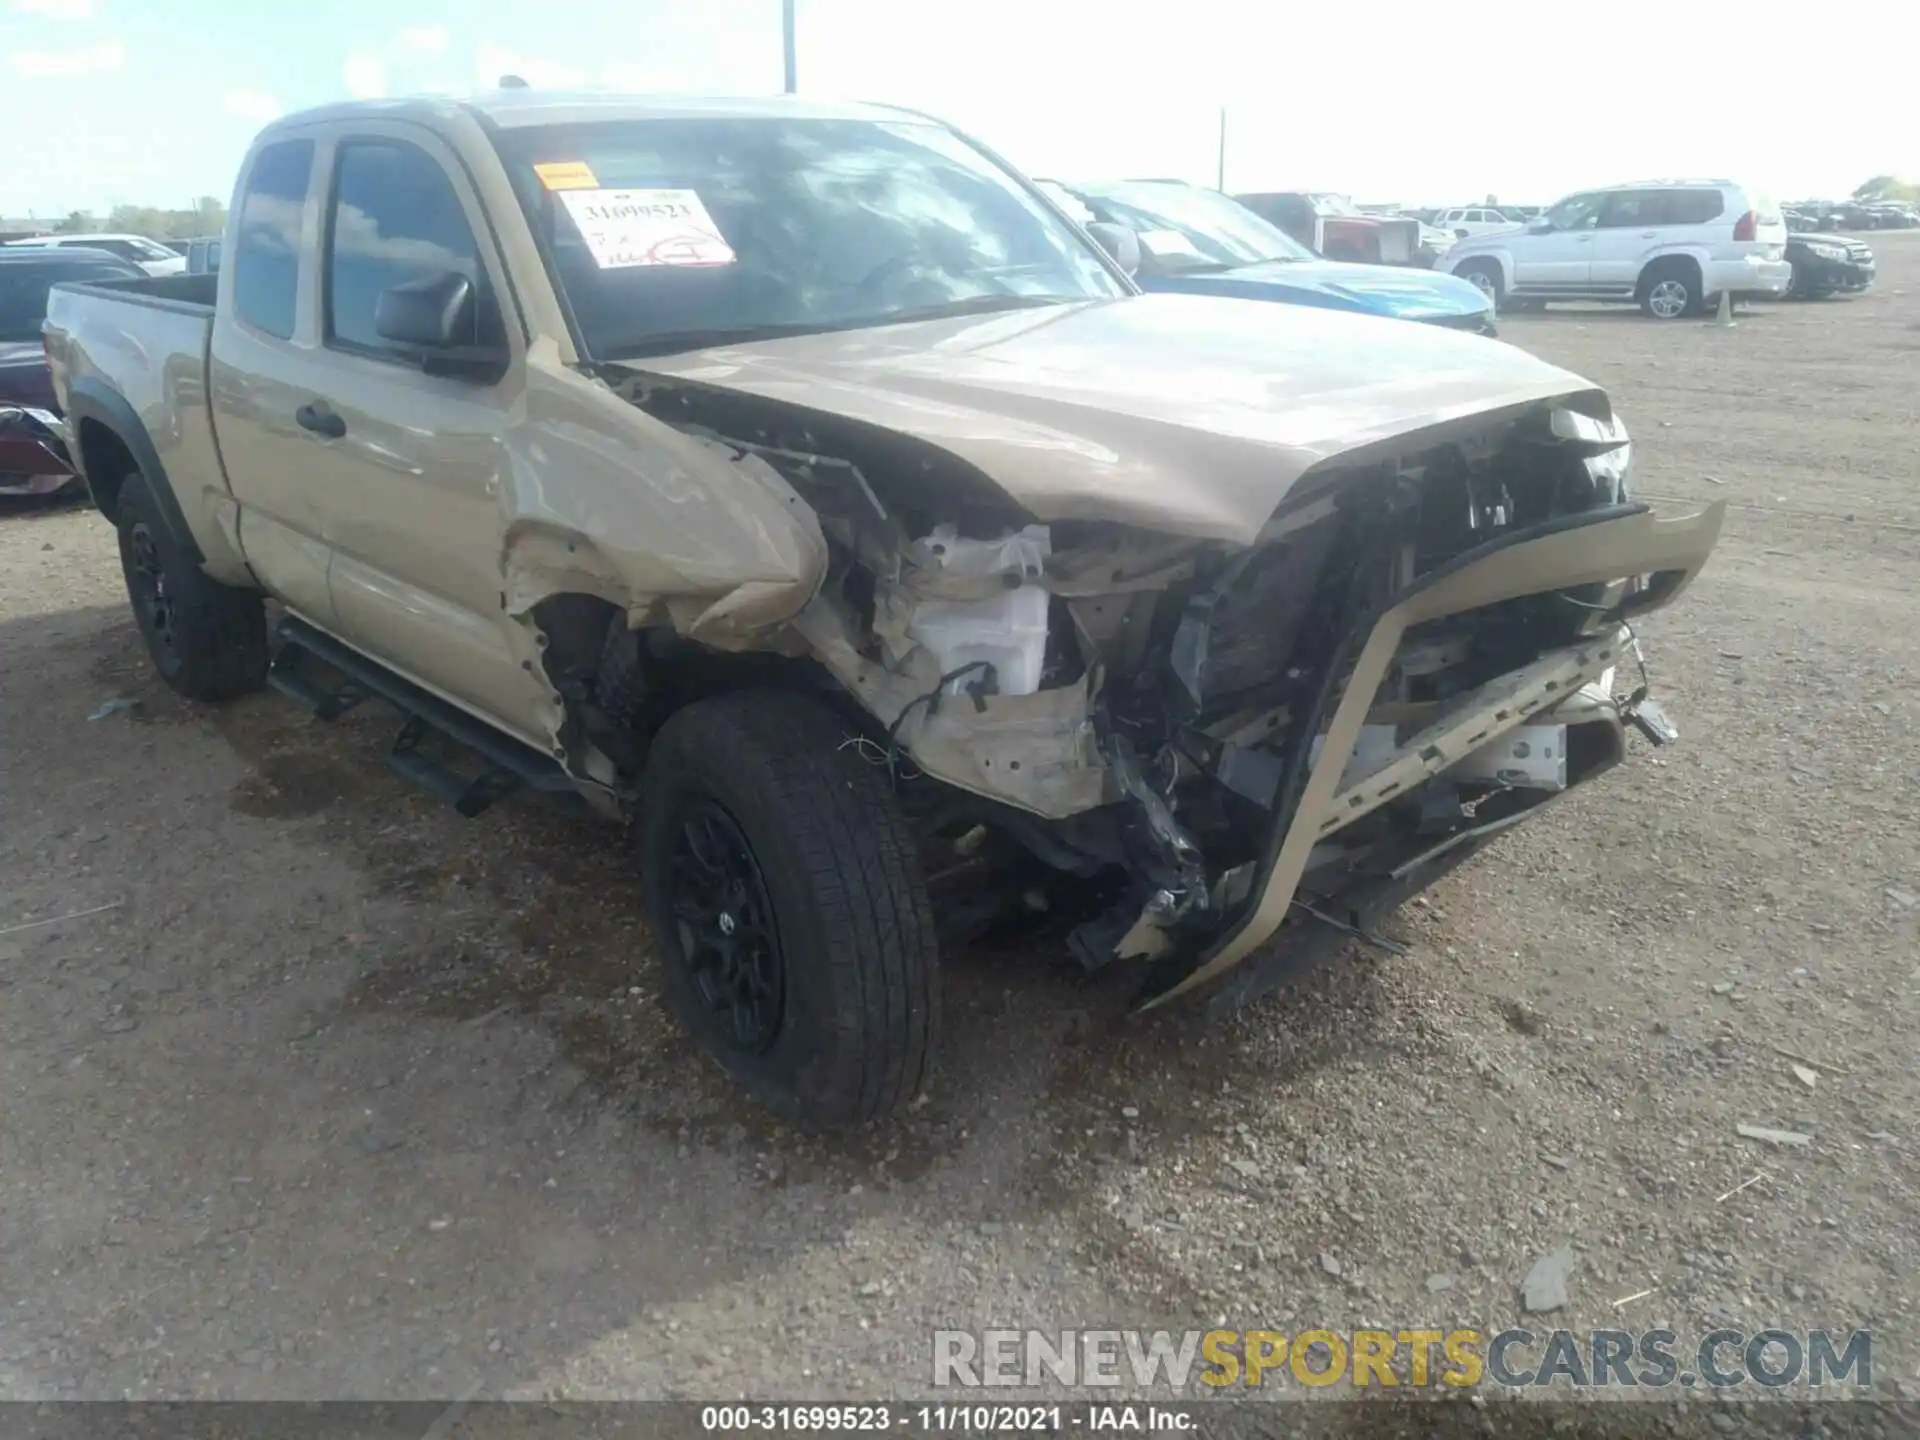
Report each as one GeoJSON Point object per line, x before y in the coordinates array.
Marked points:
{"type": "Point", "coordinates": [153, 606]}
{"type": "Point", "coordinates": [725, 921]}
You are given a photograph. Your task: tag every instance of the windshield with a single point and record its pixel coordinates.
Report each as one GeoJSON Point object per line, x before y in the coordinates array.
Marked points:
{"type": "Point", "coordinates": [1184, 228]}
{"type": "Point", "coordinates": [23, 293]}
{"type": "Point", "coordinates": [676, 233]}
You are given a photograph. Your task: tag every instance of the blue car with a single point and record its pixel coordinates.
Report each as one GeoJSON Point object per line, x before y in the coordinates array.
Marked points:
{"type": "Point", "coordinates": [1195, 241]}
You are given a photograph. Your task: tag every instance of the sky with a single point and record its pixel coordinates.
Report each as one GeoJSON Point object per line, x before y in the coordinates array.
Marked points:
{"type": "Point", "coordinates": [1440, 102]}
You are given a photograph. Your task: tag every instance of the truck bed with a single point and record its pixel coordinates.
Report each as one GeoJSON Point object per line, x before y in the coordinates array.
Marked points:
{"type": "Point", "coordinates": [139, 346]}
{"type": "Point", "coordinates": [193, 294]}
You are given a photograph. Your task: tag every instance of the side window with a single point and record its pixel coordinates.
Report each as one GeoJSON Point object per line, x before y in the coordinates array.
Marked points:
{"type": "Point", "coordinates": [1627, 208]}
{"type": "Point", "coordinates": [266, 249]}
{"type": "Point", "coordinates": [1691, 207]}
{"type": "Point", "coordinates": [1576, 212]}
{"type": "Point", "coordinates": [395, 218]}
{"type": "Point", "coordinates": [122, 248]}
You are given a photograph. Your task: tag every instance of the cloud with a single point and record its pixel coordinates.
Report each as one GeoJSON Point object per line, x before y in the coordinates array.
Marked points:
{"type": "Point", "coordinates": [55, 9]}
{"type": "Point", "coordinates": [425, 39]}
{"type": "Point", "coordinates": [98, 59]}
{"type": "Point", "coordinates": [254, 105]}
{"type": "Point", "coordinates": [365, 77]}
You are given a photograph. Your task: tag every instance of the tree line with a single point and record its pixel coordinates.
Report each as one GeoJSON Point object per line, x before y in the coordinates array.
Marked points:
{"type": "Point", "coordinates": [1887, 187]}
{"type": "Point", "coordinates": [208, 216]}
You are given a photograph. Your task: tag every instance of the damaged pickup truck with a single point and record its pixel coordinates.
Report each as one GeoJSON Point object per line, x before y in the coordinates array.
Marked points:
{"type": "Point", "coordinates": [799, 485]}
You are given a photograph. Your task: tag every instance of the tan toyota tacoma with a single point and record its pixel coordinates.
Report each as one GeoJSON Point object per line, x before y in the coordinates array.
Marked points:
{"type": "Point", "coordinates": [801, 486]}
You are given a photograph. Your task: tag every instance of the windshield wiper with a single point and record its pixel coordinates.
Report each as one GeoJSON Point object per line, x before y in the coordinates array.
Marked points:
{"type": "Point", "coordinates": [674, 341]}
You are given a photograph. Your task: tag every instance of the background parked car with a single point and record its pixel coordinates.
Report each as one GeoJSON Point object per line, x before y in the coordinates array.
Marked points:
{"type": "Point", "coordinates": [203, 255]}
{"type": "Point", "coordinates": [33, 456]}
{"type": "Point", "coordinates": [1333, 226]}
{"type": "Point", "coordinates": [1197, 241]}
{"type": "Point", "coordinates": [1671, 246]}
{"type": "Point", "coordinates": [1851, 215]}
{"type": "Point", "coordinates": [150, 255]}
{"type": "Point", "coordinates": [1473, 220]}
{"type": "Point", "coordinates": [1894, 215]}
{"type": "Point", "coordinates": [1828, 264]}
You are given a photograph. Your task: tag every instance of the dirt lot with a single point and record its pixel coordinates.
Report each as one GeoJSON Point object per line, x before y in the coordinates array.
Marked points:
{"type": "Point", "coordinates": [348, 1097]}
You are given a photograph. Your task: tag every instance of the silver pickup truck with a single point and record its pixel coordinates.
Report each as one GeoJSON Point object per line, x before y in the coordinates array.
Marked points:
{"type": "Point", "coordinates": [802, 486]}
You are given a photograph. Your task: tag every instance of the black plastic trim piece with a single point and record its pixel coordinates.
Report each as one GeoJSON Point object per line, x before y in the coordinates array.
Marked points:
{"type": "Point", "coordinates": [502, 752]}
{"type": "Point", "coordinates": [88, 399]}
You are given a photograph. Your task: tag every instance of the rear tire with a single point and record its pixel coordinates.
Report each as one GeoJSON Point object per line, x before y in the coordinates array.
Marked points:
{"type": "Point", "coordinates": [207, 640]}
{"type": "Point", "coordinates": [1670, 290]}
{"type": "Point", "coordinates": [785, 895]}
{"type": "Point", "coordinates": [1485, 276]}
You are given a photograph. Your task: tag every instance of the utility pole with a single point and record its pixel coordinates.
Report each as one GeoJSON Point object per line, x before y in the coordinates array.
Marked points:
{"type": "Point", "coordinates": [786, 22]}
{"type": "Point", "coordinates": [1220, 182]}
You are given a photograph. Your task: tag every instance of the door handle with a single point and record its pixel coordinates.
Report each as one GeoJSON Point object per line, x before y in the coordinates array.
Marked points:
{"type": "Point", "coordinates": [1648, 234]}
{"type": "Point", "coordinates": [320, 419]}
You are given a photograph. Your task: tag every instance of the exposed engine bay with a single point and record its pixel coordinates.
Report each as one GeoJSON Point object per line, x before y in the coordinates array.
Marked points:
{"type": "Point", "coordinates": [1130, 727]}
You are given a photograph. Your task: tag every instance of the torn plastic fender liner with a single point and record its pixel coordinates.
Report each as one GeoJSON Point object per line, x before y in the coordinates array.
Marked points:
{"type": "Point", "coordinates": [1591, 550]}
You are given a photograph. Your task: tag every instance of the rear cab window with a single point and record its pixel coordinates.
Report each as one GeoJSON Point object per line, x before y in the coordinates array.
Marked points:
{"type": "Point", "coordinates": [266, 249]}
{"type": "Point", "coordinates": [395, 217]}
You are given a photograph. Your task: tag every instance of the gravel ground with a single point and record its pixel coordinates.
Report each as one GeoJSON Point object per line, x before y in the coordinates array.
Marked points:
{"type": "Point", "coordinates": [345, 1096]}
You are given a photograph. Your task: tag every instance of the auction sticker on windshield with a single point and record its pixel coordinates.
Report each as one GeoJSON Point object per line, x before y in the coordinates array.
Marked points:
{"type": "Point", "coordinates": [646, 227]}
{"type": "Point", "coordinates": [567, 175]}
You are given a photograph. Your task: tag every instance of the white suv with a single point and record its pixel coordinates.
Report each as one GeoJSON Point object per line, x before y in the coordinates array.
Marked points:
{"type": "Point", "coordinates": [1473, 220]}
{"type": "Point", "coordinates": [1672, 246]}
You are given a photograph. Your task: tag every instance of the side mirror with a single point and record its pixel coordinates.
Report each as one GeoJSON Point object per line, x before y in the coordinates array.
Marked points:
{"type": "Point", "coordinates": [1539, 225]}
{"type": "Point", "coordinates": [1120, 242]}
{"type": "Point", "coordinates": [434, 313]}
{"type": "Point", "coordinates": [440, 315]}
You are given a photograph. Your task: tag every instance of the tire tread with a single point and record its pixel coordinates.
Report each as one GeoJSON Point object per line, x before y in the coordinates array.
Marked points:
{"type": "Point", "coordinates": [861, 869]}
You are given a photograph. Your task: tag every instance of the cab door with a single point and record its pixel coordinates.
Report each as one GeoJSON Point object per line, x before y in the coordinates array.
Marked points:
{"type": "Point", "coordinates": [1558, 258]}
{"type": "Point", "coordinates": [1629, 232]}
{"type": "Point", "coordinates": [410, 461]}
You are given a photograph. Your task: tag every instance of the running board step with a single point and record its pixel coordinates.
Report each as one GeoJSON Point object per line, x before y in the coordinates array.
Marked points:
{"type": "Point", "coordinates": [508, 763]}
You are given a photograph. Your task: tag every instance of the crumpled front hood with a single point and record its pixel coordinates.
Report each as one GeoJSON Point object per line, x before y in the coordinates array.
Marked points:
{"type": "Point", "coordinates": [1404, 294]}
{"type": "Point", "coordinates": [1183, 414]}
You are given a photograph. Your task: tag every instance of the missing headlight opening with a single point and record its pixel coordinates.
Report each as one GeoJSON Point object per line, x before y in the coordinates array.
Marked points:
{"type": "Point", "coordinates": [1174, 747]}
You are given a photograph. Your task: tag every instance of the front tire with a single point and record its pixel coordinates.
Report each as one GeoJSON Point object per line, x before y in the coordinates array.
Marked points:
{"type": "Point", "coordinates": [207, 640]}
{"type": "Point", "coordinates": [1484, 276]}
{"type": "Point", "coordinates": [785, 894]}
